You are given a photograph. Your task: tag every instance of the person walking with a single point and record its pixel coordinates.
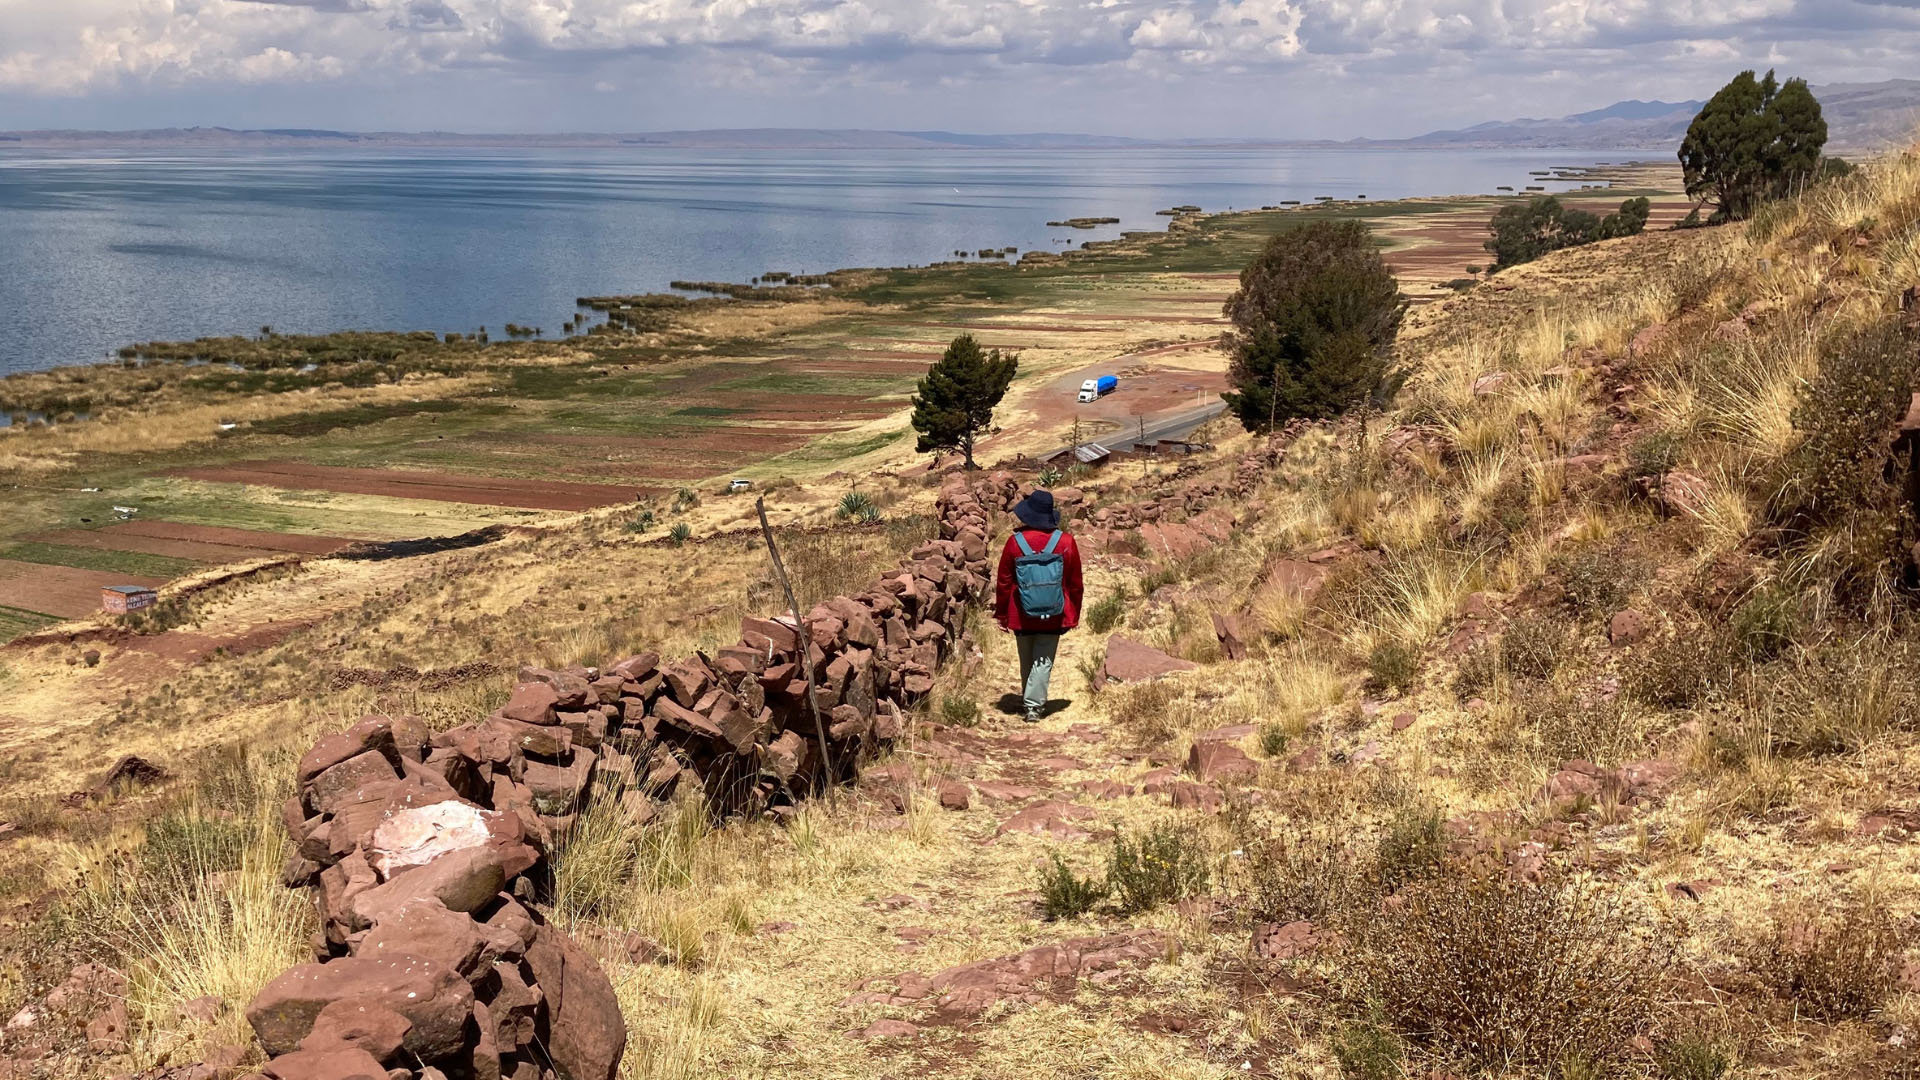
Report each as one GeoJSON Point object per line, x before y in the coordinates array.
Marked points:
{"type": "Point", "coordinates": [1037, 593]}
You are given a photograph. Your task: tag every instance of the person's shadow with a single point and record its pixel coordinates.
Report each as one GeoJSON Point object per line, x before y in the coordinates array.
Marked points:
{"type": "Point", "coordinates": [1015, 705]}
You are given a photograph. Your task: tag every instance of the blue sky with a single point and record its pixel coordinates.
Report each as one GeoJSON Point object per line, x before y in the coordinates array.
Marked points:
{"type": "Point", "coordinates": [1257, 68]}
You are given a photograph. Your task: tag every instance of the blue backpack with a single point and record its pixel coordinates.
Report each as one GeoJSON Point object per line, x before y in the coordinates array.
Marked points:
{"type": "Point", "coordinates": [1039, 578]}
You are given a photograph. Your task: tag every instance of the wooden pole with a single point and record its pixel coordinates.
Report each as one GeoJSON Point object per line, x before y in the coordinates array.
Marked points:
{"type": "Point", "coordinates": [800, 627]}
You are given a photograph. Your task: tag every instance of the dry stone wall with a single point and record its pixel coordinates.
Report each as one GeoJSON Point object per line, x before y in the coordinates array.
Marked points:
{"type": "Point", "coordinates": [426, 853]}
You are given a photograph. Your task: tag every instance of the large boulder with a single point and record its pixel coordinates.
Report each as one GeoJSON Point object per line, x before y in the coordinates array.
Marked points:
{"type": "Point", "coordinates": [432, 996]}
{"type": "Point", "coordinates": [585, 1034]}
{"type": "Point", "coordinates": [462, 880]}
{"type": "Point", "coordinates": [417, 836]}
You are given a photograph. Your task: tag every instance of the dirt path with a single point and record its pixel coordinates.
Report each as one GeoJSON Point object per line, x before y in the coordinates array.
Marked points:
{"type": "Point", "coordinates": [940, 965]}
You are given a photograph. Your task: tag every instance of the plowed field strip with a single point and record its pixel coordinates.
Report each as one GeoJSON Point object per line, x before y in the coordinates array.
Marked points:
{"type": "Point", "coordinates": [415, 484]}
{"type": "Point", "coordinates": [300, 543]}
{"type": "Point", "coordinates": [198, 550]}
{"type": "Point", "coordinates": [58, 590]}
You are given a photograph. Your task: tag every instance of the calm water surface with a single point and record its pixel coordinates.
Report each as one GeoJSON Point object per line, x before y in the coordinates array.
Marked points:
{"type": "Point", "coordinates": [100, 251]}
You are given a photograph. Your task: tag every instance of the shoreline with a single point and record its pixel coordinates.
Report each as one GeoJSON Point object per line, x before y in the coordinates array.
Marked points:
{"type": "Point", "coordinates": [1611, 174]}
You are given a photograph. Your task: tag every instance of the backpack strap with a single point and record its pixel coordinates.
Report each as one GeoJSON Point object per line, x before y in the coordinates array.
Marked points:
{"type": "Point", "coordinates": [1052, 542]}
{"type": "Point", "coordinates": [1021, 539]}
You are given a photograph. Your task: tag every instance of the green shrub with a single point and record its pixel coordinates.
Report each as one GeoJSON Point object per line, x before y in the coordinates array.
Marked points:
{"type": "Point", "coordinates": [1682, 672]}
{"type": "Point", "coordinates": [1106, 613]}
{"type": "Point", "coordinates": [1367, 1051]}
{"type": "Point", "coordinates": [1653, 454]}
{"type": "Point", "coordinates": [1164, 864]}
{"type": "Point", "coordinates": [1765, 623]}
{"type": "Point", "coordinates": [1835, 960]}
{"type": "Point", "coordinates": [959, 711]}
{"type": "Point", "coordinates": [1273, 739]}
{"type": "Point", "coordinates": [1598, 577]}
{"type": "Point", "coordinates": [1302, 874]}
{"type": "Point", "coordinates": [1393, 666]}
{"type": "Point", "coordinates": [1692, 1057]}
{"type": "Point", "coordinates": [640, 522]}
{"type": "Point", "coordinates": [1477, 670]}
{"type": "Point", "coordinates": [1066, 895]}
{"type": "Point", "coordinates": [1049, 476]}
{"type": "Point", "coordinates": [1534, 645]}
{"type": "Point", "coordinates": [1845, 412]}
{"type": "Point", "coordinates": [685, 499]}
{"type": "Point", "coordinates": [1412, 849]}
{"type": "Point", "coordinates": [680, 533]}
{"type": "Point", "coordinates": [1508, 976]}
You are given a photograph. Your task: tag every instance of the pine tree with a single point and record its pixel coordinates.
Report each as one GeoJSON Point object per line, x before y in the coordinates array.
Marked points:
{"type": "Point", "coordinates": [957, 397]}
{"type": "Point", "coordinates": [1314, 322]}
{"type": "Point", "coordinates": [1754, 140]}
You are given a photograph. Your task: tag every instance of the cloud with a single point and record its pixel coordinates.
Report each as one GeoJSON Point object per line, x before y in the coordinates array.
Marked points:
{"type": "Point", "coordinates": [1475, 58]}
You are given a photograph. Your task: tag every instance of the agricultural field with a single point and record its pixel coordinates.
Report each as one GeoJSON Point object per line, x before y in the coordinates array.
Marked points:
{"type": "Point", "coordinates": [395, 437]}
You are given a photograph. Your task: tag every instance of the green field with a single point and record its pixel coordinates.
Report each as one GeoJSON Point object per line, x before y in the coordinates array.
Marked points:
{"type": "Point", "coordinates": [16, 621]}
{"type": "Point", "coordinates": [134, 563]}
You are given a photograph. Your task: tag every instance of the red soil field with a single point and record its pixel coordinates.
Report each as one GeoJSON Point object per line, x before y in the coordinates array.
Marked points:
{"type": "Point", "coordinates": [59, 590]}
{"type": "Point", "coordinates": [301, 543]}
{"type": "Point", "coordinates": [418, 484]}
{"type": "Point", "coordinates": [102, 540]}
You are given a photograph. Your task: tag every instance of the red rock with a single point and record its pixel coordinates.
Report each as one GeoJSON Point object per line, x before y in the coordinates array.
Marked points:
{"type": "Point", "coordinates": [1060, 763]}
{"type": "Point", "coordinates": [348, 782]}
{"type": "Point", "coordinates": [1130, 661]}
{"type": "Point", "coordinates": [1105, 789]}
{"type": "Point", "coordinates": [425, 928]}
{"type": "Point", "coordinates": [333, 749]}
{"type": "Point", "coordinates": [1185, 795]}
{"type": "Point", "coordinates": [348, 1063]}
{"type": "Point", "coordinates": [1628, 627]}
{"type": "Point", "coordinates": [348, 1024]}
{"type": "Point", "coordinates": [531, 703]}
{"type": "Point", "coordinates": [587, 1035]}
{"type": "Point", "coordinates": [1305, 759]}
{"type": "Point", "coordinates": [432, 996]}
{"type": "Point", "coordinates": [1275, 941]}
{"type": "Point", "coordinates": [463, 881]}
{"type": "Point", "coordinates": [107, 1030]}
{"type": "Point", "coordinates": [1050, 818]}
{"type": "Point", "coordinates": [889, 1029]}
{"type": "Point", "coordinates": [1648, 779]}
{"type": "Point", "coordinates": [1231, 632]}
{"type": "Point", "coordinates": [1214, 761]}
{"type": "Point", "coordinates": [954, 796]}
{"type": "Point", "coordinates": [1001, 791]}
{"type": "Point", "coordinates": [1403, 721]}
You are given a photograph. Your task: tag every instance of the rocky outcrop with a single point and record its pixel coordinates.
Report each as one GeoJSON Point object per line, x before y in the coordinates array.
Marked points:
{"type": "Point", "coordinates": [425, 854]}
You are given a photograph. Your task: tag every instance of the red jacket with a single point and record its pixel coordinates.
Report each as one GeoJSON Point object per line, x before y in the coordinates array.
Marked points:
{"type": "Point", "coordinates": [1007, 611]}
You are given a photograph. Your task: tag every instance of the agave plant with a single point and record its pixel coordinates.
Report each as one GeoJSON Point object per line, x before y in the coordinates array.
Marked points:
{"type": "Point", "coordinates": [858, 506]}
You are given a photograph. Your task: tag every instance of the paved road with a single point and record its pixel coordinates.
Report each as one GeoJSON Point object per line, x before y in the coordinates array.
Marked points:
{"type": "Point", "coordinates": [1172, 425]}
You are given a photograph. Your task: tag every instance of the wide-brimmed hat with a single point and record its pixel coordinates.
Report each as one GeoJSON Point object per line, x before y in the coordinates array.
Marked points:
{"type": "Point", "coordinates": [1036, 511]}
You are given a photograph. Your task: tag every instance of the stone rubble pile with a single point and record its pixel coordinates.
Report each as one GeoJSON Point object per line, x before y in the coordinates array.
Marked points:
{"type": "Point", "coordinates": [425, 853]}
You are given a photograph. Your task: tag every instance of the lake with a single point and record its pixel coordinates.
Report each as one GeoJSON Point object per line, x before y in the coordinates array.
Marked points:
{"type": "Point", "coordinates": [98, 251]}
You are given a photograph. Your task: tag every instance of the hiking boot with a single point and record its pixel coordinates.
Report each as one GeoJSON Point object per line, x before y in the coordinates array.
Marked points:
{"type": "Point", "coordinates": [1033, 716]}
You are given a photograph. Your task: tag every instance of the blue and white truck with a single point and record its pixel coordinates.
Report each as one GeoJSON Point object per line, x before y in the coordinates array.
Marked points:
{"type": "Point", "coordinates": [1094, 389]}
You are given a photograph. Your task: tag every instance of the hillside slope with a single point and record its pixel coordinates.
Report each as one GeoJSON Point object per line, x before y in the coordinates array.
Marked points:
{"type": "Point", "coordinates": [1558, 722]}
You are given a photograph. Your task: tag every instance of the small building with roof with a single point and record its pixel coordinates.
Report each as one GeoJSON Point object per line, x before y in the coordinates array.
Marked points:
{"type": "Point", "coordinates": [120, 599]}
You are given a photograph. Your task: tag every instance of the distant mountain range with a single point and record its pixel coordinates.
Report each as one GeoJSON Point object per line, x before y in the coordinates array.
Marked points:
{"type": "Point", "coordinates": [1860, 116]}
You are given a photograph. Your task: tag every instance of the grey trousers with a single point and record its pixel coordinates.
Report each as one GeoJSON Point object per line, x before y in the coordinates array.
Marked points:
{"type": "Point", "coordinates": [1036, 667]}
